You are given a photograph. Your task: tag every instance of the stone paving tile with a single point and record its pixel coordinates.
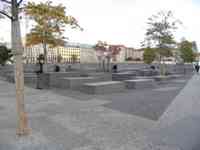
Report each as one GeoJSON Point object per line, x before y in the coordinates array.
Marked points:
{"type": "Point", "coordinates": [36, 141]}
{"type": "Point", "coordinates": [58, 134]}
{"type": "Point", "coordinates": [107, 129]}
{"type": "Point", "coordinates": [187, 103]}
{"type": "Point", "coordinates": [165, 89]}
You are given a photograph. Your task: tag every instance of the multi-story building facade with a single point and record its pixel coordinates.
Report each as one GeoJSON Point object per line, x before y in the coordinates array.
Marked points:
{"type": "Point", "coordinates": [129, 53]}
{"type": "Point", "coordinates": [134, 54]}
{"type": "Point", "coordinates": [70, 53]}
{"type": "Point", "coordinates": [76, 52]}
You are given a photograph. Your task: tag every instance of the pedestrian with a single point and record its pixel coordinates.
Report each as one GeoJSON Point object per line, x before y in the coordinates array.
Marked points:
{"type": "Point", "coordinates": [114, 68]}
{"type": "Point", "coordinates": [197, 67]}
{"type": "Point", "coordinates": [152, 67]}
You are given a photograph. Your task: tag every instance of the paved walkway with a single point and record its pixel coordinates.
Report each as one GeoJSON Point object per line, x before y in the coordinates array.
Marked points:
{"type": "Point", "coordinates": [63, 123]}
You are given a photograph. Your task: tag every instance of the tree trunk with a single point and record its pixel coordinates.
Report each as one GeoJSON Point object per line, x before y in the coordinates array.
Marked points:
{"type": "Point", "coordinates": [45, 52]}
{"type": "Point", "coordinates": [17, 50]}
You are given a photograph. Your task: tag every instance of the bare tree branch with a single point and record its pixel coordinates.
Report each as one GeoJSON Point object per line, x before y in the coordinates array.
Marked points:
{"type": "Point", "coordinates": [5, 14]}
{"type": "Point", "coordinates": [19, 2]}
{"type": "Point", "coordinates": [6, 1]}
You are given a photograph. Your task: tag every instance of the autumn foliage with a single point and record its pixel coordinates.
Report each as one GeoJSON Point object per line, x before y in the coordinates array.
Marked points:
{"type": "Point", "coordinates": [50, 22]}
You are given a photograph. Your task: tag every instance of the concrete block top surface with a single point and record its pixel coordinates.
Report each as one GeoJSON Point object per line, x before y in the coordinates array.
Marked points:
{"type": "Point", "coordinates": [162, 77]}
{"type": "Point", "coordinates": [103, 83]}
{"type": "Point", "coordinates": [144, 77]}
{"type": "Point", "coordinates": [72, 72]}
{"type": "Point", "coordinates": [123, 73]}
{"type": "Point", "coordinates": [139, 80]}
{"type": "Point", "coordinates": [176, 75]}
{"type": "Point", "coordinates": [78, 78]}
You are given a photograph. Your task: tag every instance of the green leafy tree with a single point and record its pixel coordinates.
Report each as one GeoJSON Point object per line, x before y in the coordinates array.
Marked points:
{"type": "Point", "coordinates": [100, 49]}
{"type": "Point", "coordinates": [149, 55]}
{"type": "Point", "coordinates": [159, 34]}
{"type": "Point", "coordinates": [186, 51]}
{"type": "Point", "coordinates": [50, 22]}
{"type": "Point", "coordinates": [5, 55]}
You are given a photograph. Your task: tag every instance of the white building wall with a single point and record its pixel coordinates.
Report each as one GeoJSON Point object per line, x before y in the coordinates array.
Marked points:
{"type": "Point", "coordinates": [121, 56]}
{"type": "Point", "coordinates": [88, 56]}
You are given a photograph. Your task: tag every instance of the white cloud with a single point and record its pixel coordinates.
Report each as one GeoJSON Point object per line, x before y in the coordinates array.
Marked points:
{"type": "Point", "coordinates": [124, 21]}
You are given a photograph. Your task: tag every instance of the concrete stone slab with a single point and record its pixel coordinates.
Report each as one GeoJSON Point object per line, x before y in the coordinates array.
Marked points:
{"type": "Point", "coordinates": [123, 76]}
{"type": "Point", "coordinates": [139, 83]}
{"type": "Point", "coordinates": [103, 87]}
{"type": "Point", "coordinates": [162, 79]}
{"type": "Point", "coordinates": [165, 89]}
{"type": "Point", "coordinates": [75, 82]}
{"type": "Point", "coordinates": [55, 77]}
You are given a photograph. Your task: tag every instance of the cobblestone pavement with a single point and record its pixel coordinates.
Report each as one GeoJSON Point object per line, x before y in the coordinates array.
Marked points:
{"type": "Point", "coordinates": [75, 121]}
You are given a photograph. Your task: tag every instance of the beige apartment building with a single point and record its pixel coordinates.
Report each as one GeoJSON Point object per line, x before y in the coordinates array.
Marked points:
{"type": "Point", "coordinates": [66, 54]}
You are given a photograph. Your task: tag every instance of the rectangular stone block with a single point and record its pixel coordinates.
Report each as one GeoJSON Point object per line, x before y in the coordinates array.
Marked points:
{"type": "Point", "coordinates": [55, 77]}
{"type": "Point", "coordinates": [176, 76]}
{"type": "Point", "coordinates": [76, 82]}
{"type": "Point", "coordinates": [123, 76]}
{"type": "Point", "coordinates": [162, 79]}
{"type": "Point", "coordinates": [37, 80]}
{"type": "Point", "coordinates": [139, 83]}
{"type": "Point", "coordinates": [103, 87]}
{"type": "Point", "coordinates": [102, 76]}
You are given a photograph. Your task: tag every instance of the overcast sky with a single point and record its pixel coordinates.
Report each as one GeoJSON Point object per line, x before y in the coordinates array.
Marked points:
{"type": "Point", "coordinates": [122, 21]}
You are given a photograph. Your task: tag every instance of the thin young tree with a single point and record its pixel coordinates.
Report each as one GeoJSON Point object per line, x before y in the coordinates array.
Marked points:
{"type": "Point", "coordinates": [106, 52]}
{"type": "Point", "coordinates": [160, 33]}
{"type": "Point", "coordinates": [149, 55]}
{"type": "Point", "coordinates": [100, 50]}
{"type": "Point", "coordinates": [11, 11]}
{"type": "Point", "coordinates": [113, 51]}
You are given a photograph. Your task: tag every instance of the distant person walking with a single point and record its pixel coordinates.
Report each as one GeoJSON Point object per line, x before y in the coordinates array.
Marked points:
{"type": "Point", "coordinates": [197, 67]}
{"type": "Point", "coordinates": [114, 68]}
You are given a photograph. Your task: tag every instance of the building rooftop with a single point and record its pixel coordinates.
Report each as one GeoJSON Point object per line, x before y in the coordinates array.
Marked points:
{"type": "Point", "coordinates": [78, 45]}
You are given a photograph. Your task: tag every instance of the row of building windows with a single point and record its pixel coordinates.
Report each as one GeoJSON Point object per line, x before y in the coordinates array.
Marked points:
{"type": "Point", "coordinates": [68, 55]}
{"type": "Point", "coordinates": [52, 60]}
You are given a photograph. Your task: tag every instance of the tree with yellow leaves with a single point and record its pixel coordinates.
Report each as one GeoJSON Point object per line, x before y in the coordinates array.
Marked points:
{"type": "Point", "coordinates": [50, 22]}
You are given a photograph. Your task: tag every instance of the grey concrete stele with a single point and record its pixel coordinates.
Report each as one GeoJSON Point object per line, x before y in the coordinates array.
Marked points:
{"type": "Point", "coordinates": [162, 79]}
{"type": "Point", "coordinates": [103, 87]}
{"type": "Point", "coordinates": [123, 76]}
{"type": "Point", "coordinates": [38, 81]}
{"type": "Point", "coordinates": [139, 83]}
{"type": "Point", "coordinates": [76, 82]}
